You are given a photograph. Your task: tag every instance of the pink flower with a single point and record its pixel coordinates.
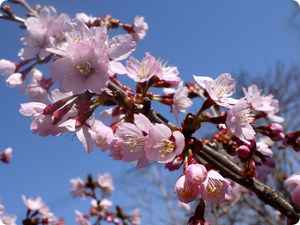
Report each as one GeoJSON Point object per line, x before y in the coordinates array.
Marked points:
{"type": "Point", "coordinates": [263, 146]}
{"type": "Point", "coordinates": [215, 187]}
{"type": "Point", "coordinates": [295, 179]}
{"type": "Point", "coordinates": [186, 191]}
{"type": "Point", "coordinates": [8, 220]}
{"type": "Point", "coordinates": [134, 139]}
{"type": "Point", "coordinates": [36, 204]}
{"type": "Point", "coordinates": [106, 183]}
{"type": "Point", "coordinates": [169, 75]}
{"type": "Point", "coordinates": [196, 173]}
{"type": "Point", "coordinates": [162, 145]}
{"type": "Point", "coordinates": [77, 188]}
{"type": "Point", "coordinates": [135, 217]}
{"type": "Point", "coordinates": [83, 67]}
{"type": "Point", "coordinates": [104, 135]}
{"type": "Point", "coordinates": [238, 121]}
{"type": "Point", "coordinates": [44, 31]}
{"type": "Point", "coordinates": [144, 70]}
{"type": "Point", "coordinates": [82, 219]}
{"type": "Point", "coordinates": [116, 148]}
{"type": "Point", "coordinates": [105, 204]}
{"type": "Point", "coordinates": [119, 48]}
{"type": "Point", "coordinates": [180, 99]}
{"type": "Point", "coordinates": [266, 104]}
{"type": "Point", "coordinates": [139, 28]}
{"type": "Point", "coordinates": [219, 89]}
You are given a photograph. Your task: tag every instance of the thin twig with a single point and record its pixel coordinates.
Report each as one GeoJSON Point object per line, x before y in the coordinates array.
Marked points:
{"type": "Point", "coordinates": [14, 18]}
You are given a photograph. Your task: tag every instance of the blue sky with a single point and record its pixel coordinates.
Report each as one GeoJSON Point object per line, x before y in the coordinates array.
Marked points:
{"type": "Point", "coordinates": [199, 37]}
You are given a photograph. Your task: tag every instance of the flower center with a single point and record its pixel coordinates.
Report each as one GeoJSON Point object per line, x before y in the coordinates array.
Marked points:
{"type": "Point", "coordinates": [214, 188]}
{"type": "Point", "coordinates": [133, 141]}
{"type": "Point", "coordinates": [168, 147]}
{"type": "Point", "coordinates": [186, 192]}
{"type": "Point", "coordinates": [224, 85]}
{"type": "Point", "coordinates": [85, 69]}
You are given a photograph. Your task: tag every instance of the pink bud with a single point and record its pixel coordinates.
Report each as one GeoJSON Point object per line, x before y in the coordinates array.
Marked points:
{"type": "Point", "coordinates": [243, 152]}
{"type": "Point", "coordinates": [196, 173]}
{"type": "Point", "coordinates": [275, 127]}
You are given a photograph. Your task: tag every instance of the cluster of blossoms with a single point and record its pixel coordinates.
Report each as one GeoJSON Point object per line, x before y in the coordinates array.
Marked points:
{"type": "Point", "coordinates": [100, 208]}
{"type": "Point", "coordinates": [85, 63]}
{"type": "Point", "coordinates": [210, 185]}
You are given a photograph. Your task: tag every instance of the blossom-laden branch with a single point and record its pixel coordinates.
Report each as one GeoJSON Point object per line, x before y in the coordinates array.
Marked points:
{"type": "Point", "coordinates": [85, 62]}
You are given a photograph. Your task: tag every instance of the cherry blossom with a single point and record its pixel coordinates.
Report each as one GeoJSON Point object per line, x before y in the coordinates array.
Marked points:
{"type": "Point", "coordinates": [134, 139]}
{"type": "Point", "coordinates": [135, 217]}
{"type": "Point", "coordinates": [36, 204]}
{"type": "Point", "coordinates": [266, 104]}
{"type": "Point", "coordinates": [81, 219]}
{"type": "Point", "coordinates": [78, 186]}
{"type": "Point", "coordinates": [139, 28]}
{"type": "Point", "coordinates": [144, 70]}
{"type": "Point", "coordinates": [162, 144]}
{"type": "Point", "coordinates": [44, 31]}
{"type": "Point", "coordinates": [83, 67]}
{"type": "Point", "coordinates": [8, 220]}
{"type": "Point", "coordinates": [219, 89]}
{"type": "Point", "coordinates": [215, 187]}
{"type": "Point", "coordinates": [238, 119]}
{"type": "Point", "coordinates": [186, 191]}
{"type": "Point", "coordinates": [106, 183]}
{"type": "Point", "coordinates": [104, 135]}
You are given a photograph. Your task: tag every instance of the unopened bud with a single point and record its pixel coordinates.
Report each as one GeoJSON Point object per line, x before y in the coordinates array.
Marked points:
{"type": "Point", "coordinates": [6, 9]}
{"type": "Point", "coordinates": [243, 152]}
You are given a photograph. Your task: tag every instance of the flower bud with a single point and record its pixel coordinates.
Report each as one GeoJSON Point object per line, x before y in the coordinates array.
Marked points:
{"type": "Point", "coordinates": [243, 152]}
{"type": "Point", "coordinates": [196, 173]}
